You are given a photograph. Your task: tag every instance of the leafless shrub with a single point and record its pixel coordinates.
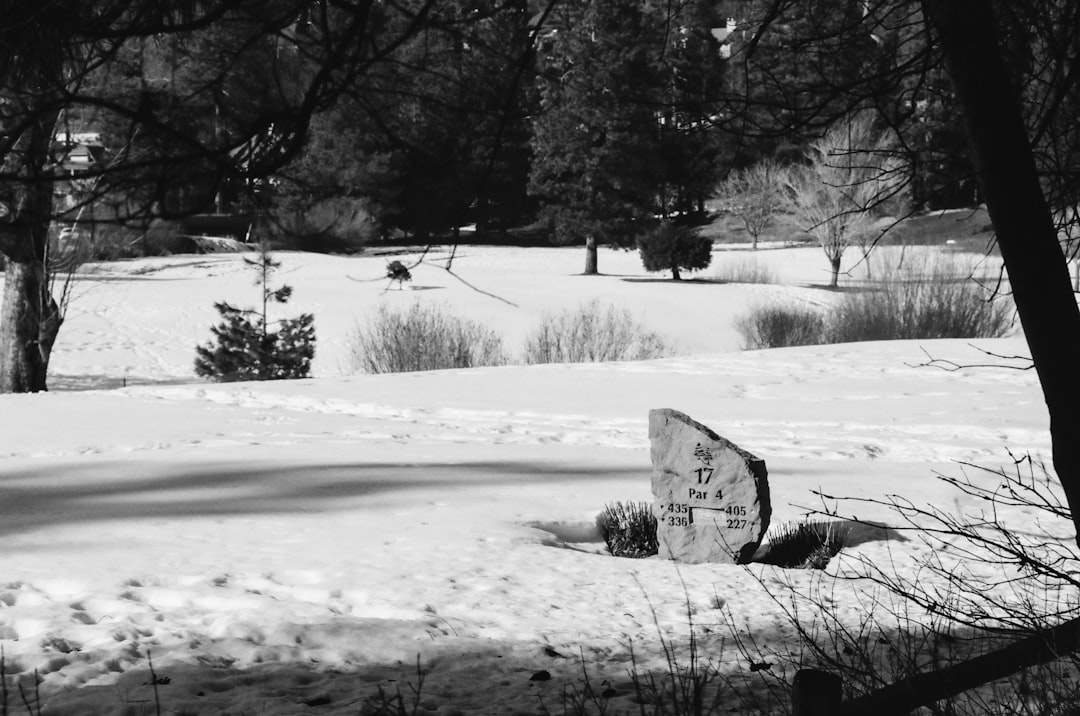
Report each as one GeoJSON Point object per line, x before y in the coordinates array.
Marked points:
{"type": "Point", "coordinates": [779, 326]}
{"type": "Point", "coordinates": [745, 270]}
{"type": "Point", "coordinates": [423, 337]}
{"type": "Point", "coordinates": [592, 334]}
{"type": "Point", "coordinates": [931, 298]}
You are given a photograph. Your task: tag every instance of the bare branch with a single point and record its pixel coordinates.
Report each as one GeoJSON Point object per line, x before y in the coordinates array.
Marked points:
{"type": "Point", "coordinates": [952, 366]}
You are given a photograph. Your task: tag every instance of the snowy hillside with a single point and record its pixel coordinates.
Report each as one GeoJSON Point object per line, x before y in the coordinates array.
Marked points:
{"type": "Point", "coordinates": [293, 547]}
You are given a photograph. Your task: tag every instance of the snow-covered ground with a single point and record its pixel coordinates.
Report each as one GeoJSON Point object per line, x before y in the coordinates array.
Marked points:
{"type": "Point", "coordinates": [293, 547]}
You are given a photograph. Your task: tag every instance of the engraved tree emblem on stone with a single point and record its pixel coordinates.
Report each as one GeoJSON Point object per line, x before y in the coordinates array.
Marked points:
{"type": "Point", "coordinates": [711, 497]}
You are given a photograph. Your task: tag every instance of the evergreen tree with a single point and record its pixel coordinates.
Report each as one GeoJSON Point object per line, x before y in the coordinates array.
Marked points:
{"type": "Point", "coordinates": [340, 192]}
{"type": "Point", "coordinates": [793, 80]}
{"type": "Point", "coordinates": [672, 247]}
{"type": "Point", "coordinates": [437, 138]}
{"type": "Point", "coordinates": [246, 348]}
{"type": "Point", "coordinates": [690, 75]}
{"type": "Point", "coordinates": [630, 94]}
{"type": "Point", "coordinates": [936, 147]}
{"type": "Point", "coordinates": [594, 144]}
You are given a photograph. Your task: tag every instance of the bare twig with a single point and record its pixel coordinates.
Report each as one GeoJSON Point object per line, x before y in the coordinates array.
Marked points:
{"type": "Point", "coordinates": [154, 683]}
{"type": "Point", "coordinates": [447, 268]}
{"type": "Point", "coordinates": [480, 290]}
{"type": "Point", "coordinates": [3, 684]}
{"type": "Point", "coordinates": [952, 366]}
{"type": "Point", "coordinates": [906, 695]}
{"type": "Point", "coordinates": [37, 696]}
{"type": "Point", "coordinates": [1012, 606]}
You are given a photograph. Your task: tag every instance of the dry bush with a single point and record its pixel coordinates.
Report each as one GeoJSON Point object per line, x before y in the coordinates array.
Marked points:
{"type": "Point", "coordinates": [423, 337]}
{"type": "Point", "coordinates": [930, 298]}
{"type": "Point", "coordinates": [779, 326]}
{"type": "Point", "coordinates": [592, 334]}
{"type": "Point", "coordinates": [745, 270]}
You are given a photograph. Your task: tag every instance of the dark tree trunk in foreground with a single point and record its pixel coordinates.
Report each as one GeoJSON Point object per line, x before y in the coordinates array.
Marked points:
{"type": "Point", "coordinates": [29, 318]}
{"type": "Point", "coordinates": [1008, 180]}
{"type": "Point", "coordinates": [29, 324]}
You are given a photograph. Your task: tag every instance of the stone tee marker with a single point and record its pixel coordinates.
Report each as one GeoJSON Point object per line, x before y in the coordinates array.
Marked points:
{"type": "Point", "coordinates": [711, 498]}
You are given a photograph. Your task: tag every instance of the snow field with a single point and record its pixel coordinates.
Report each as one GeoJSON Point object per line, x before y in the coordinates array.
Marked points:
{"type": "Point", "coordinates": [289, 548]}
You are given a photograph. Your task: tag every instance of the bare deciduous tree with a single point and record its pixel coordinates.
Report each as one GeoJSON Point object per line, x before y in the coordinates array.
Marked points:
{"type": "Point", "coordinates": [755, 195]}
{"type": "Point", "coordinates": [849, 173]}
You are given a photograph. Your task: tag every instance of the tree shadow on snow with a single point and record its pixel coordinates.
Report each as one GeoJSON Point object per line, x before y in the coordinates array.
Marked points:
{"type": "Point", "coordinates": [673, 282]}
{"type": "Point", "coordinates": [66, 494]}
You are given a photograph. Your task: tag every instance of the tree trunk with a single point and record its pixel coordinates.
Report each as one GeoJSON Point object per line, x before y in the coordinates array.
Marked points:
{"type": "Point", "coordinates": [29, 323]}
{"type": "Point", "coordinates": [834, 271]}
{"type": "Point", "coordinates": [590, 256]}
{"type": "Point", "coordinates": [675, 272]}
{"type": "Point", "coordinates": [29, 316]}
{"type": "Point", "coordinates": [1007, 178]}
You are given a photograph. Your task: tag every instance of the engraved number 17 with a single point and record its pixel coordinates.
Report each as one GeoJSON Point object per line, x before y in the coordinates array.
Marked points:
{"type": "Point", "coordinates": [704, 472]}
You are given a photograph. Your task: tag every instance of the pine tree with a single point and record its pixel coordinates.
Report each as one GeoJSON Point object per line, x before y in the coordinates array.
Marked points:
{"type": "Point", "coordinates": [594, 143]}
{"type": "Point", "coordinates": [670, 247]}
{"type": "Point", "coordinates": [626, 129]}
{"type": "Point", "coordinates": [436, 139]}
{"type": "Point", "coordinates": [246, 348]}
{"type": "Point", "coordinates": [690, 73]}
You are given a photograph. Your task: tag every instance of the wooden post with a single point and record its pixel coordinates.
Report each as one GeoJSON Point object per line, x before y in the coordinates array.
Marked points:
{"type": "Point", "coordinates": [815, 693]}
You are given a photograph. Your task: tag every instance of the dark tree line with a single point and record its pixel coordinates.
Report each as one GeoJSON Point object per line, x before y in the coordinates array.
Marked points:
{"type": "Point", "coordinates": [603, 118]}
{"type": "Point", "coordinates": [188, 95]}
{"type": "Point", "coordinates": [594, 117]}
{"type": "Point", "coordinates": [624, 131]}
{"type": "Point", "coordinates": [434, 138]}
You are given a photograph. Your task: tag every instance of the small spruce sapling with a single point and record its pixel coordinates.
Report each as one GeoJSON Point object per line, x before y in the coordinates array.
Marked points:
{"type": "Point", "coordinates": [246, 348]}
{"type": "Point", "coordinates": [671, 247]}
